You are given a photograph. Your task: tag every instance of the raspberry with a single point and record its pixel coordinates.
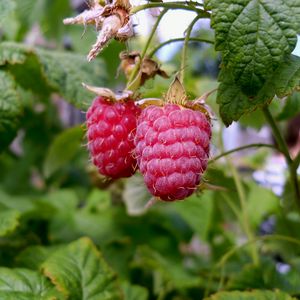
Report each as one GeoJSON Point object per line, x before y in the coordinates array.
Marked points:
{"type": "Point", "coordinates": [111, 128]}
{"type": "Point", "coordinates": [172, 149]}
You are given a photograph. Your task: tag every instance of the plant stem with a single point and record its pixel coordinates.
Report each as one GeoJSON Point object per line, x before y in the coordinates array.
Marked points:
{"type": "Point", "coordinates": [240, 149]}
{"type": "Point", "coordinates": [185, 48]}
{"type": "Point", "coordinates": [233, 207]}
{"type": "Point", "coordinates": [296, 161]}
{"type": "Point", "coordinates": [171, 5]}
{"type": "Point", "coordinates": [200, 40]}
{"type": "Point", "coordinates": [285, 151]}
{"type": "Point", "coordinates": [231, 252]}
{"type": "Point", "coordinates": [242, 197]}
{"type": "Point", "coordinates": [138, 65]}
{"type": "Point", "coordinates": [278, 137]}
{"type": "Point", "coordinates": [192, 3]}
{"type": "Point", "coordinates": [243, 202]}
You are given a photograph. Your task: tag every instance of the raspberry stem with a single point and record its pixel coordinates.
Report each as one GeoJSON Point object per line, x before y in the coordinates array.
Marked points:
{"type": "Point", "coordinates": [240, 149]}
{"type": "Point", "coordinates": [138, 65]}
{"type": "Point", "coordinates": [223, 260]}
{"type": "Point", "coordinates": [171, 5]}
{"type": "Point", "coordinates": [191, 39]}
{"type": "Point", "coordinates": [292, 165]}
{"type": "Point", "coordinates": [185, 47]}
{"type": "Point", "coordinates": [243, 203]}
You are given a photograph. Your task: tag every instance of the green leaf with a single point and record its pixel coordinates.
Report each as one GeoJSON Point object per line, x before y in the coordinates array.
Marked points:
{"type": "Point", "coordinates": [80, 273]}
{"type": "Point", "coordinates": [197, 212]}
{"type": "Point", "coordinates": [48, 13]}
{"type": "Point", "coordinates": [45, 71]}
{"type": "Point", "coordinates": [170, 271]}
{"type": "Point", "coordinates": [12, 53]}
{"type": "Point", "coordinates": [19, 203]}
{"type": "Point", "coordinates": [34, 256]}
{"type": "Point", "coordinates": [287, 76]}
{"type": "Point", "coordinates": [63, 200]}
{"type": "Point", "coordinates": [134, 292]}
{"type": "Point", "coordinates": [136, 195]}
{"type": "Point", "coordinates": [23, 284]}
{"type": "Point", "coordinates": [260, 207]}
{"type": "Point", "coordinates": [9, 221]}
{"type": "Point", "coordinates": [6, 7]}
{"type": "Point", "coordinates": [53, 13]}
{"type": "Point", "coordinates": [63, 149]}
{"type": "Point", "coordinates": [254, 37]}
{"type": "Point", "coordinates": [98, 201]}
{"type": "Point", "coordinates": [264, 276]}
{"type": "Point", "coordinates": [256, 119]}
{"type": "Point", "coordinates": [29, 76]}
{"type": "Point", "coordinates": [291, 107]}
{"type": "Point", "coordinates": [253, 295]}
{"type": "Point", "coordinates": [65, 73]}
{"type": "Point", "coordinates": [10, 109]}
{"type": "Point", "coordinates": [28, 12]}
{"type": "Point", "coordinates": [234, 103]}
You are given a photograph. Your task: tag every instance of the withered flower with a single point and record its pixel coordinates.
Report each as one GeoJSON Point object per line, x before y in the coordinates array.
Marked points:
{"type": "Point", "coordinates": [111, 21]}
{"type": "Point", "coordinates": [148, 67]}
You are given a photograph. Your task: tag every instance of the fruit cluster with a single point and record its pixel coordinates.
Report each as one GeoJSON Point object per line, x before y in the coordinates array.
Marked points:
{"type": "Point", "coordinates": [169, 144]}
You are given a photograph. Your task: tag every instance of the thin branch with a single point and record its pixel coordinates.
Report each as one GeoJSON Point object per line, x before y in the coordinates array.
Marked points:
{"type": "Point", "coordinates": [138, 65]}
{"type": "Point", "coordinates": [240, 149]}
{"type": "Point", "coordinates": [277, 135]}
{"type": "Point", "coordinates": [296, 161]}
{"type": "Point", "coordinates": [231, 252]}
{"type": "Point", "coordinates": [192, 39]}
{"type": "Point", "coordinates": [171, 5]}
{"type": "Point", "coordinates": [284, 149]}
{"type": "Point", "coordinates": [243, 203]}
{"type": "Point", "coordinates": [185, 48]}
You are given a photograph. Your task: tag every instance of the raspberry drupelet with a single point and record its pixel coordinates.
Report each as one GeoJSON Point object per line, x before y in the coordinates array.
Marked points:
{"type": "Point", "coordinates": [172, 149]}
{"type": "Point", "coordinates": [111, 128]}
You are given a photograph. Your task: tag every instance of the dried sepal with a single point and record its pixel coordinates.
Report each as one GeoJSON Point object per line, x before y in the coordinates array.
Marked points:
{"type": "Point", "coordinates": [89, 16]}
{"type": "Point", "coordinates": [109, 30]}
{"type": "Point", "coordinates": [122, 3]}
{"type": "Point", "coordinates": [176, 93]}
{"type": "Point", "coordinates": [200, 104]}
{"type": "Point", "coordinates": [100, 91]}
{"type": "Point", "coordinates": [129, 61]}
{"type": "Point", "coordinates": [143, 103]}
{"type": "Point", "coordinates": [109, 94]}
{"type": "Point", "coordinates": [125, 31]}
{"type": "Point", "coordinates": [112, 21]}
{"type": "Point", "coordinates": [148, 67]}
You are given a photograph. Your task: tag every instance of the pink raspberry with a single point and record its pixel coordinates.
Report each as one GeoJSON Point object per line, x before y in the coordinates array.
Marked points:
{"type": "Point", "coordinates": [111, 129]}
{"type": "Point", "coordinates": [172, 149]}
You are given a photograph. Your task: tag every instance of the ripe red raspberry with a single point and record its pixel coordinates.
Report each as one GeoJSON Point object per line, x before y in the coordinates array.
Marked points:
{"type": "Point", "coordinates": [172, 149]}
{"type": "Point", "coordinates": [111, 128]}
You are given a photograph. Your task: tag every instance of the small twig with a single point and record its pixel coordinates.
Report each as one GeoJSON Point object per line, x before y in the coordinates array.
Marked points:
{"type": "Point", "coordinates": [240, 149]}
{"type": "Point", "coordinates": [285, 151]}
{"type": "Point", "coordinates": [243, 203]}
{"type": "Point", "coordinates": [199, 40]}
{"type": "Point", "coordinates": [185, 47]}
{"type": "Point", "coordinates": [171, 5]}
{"type": "Point", "coordinates": [138, 65]}
{"type": "Point", "coordinates": [296, 161]}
